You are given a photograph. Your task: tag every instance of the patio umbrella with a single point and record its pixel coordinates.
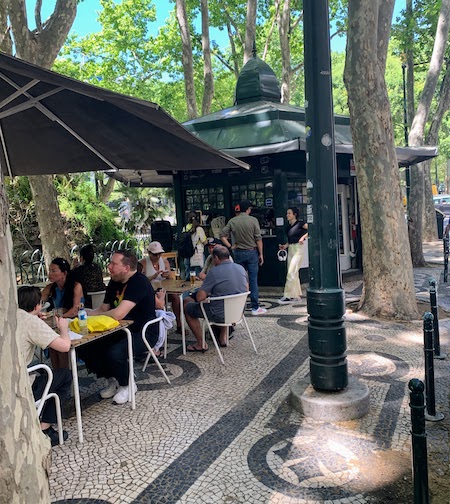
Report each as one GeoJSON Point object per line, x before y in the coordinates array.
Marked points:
{"type": "Point", "coordinates": [52, 124]}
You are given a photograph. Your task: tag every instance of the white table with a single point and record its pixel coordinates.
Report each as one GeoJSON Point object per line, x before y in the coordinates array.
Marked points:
{"type": "Point", "coordinates": [73, 359]}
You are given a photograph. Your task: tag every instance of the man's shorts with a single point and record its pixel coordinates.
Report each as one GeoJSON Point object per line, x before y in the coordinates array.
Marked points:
{"type": "Point", "coordinates": [194, 311]}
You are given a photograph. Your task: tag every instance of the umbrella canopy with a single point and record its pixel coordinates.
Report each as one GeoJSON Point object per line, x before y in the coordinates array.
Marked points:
{"type": "Point", "coordinates": [54, 124]}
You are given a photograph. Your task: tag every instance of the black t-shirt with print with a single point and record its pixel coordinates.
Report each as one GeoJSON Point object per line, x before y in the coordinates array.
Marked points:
{"type": "Point", "coordinates": [296, 231]}
{"type": "Point", "coordinates": [139, 290]}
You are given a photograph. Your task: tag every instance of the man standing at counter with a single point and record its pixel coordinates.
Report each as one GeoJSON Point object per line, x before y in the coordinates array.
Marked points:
{"type": "Point", "coordinates": [248, 248]}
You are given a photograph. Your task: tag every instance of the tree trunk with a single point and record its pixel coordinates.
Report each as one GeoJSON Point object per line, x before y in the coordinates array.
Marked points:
{"type": "Point", "coordinates": [25, 454]}
{"type": "Point", "coordinates": [416, 135]}
{"type": "Point", "coordinates": [233, 49]}
{"type": "Point", "coordinates": [51, 226]}
{"type": "Point", "coordinates": [429, 223]}
{"type": "Point", "coordinates": [250, 29]}
{"type": "Point", "coordinates": [284, 20]}
{"type": "Point", "coordinates": [105, 189]}
{"type": "Point", "coordinates": [388, 275]}
{"type": "Point", "coordinates": [41, 47]}
{"type": "Point", "coordinates": [208, 77]}
{"type": "Point", "coordinates": [5, 34]}
{"type": "Point", "coordinates": [429, 218]}
{"type": "Point", "coordinates": [186, 57]}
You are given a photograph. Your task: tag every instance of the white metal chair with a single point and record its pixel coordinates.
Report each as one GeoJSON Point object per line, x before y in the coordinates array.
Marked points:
{"type": "Point", "coordinates": [46, 396]}
{"type": "Point", "coordinates": [234, 306]}
{"type": "Point", "coordinates": [97, 298]}
{"type": "Point", "coordinates": [151, 353]}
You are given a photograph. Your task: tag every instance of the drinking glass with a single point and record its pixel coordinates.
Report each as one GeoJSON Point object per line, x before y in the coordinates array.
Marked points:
{"type": "Point", "coordinates": [192, 276]}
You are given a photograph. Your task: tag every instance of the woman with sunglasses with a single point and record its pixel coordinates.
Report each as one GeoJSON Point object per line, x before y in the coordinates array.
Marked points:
{"type": "Point", "coordinates": [155, 267]}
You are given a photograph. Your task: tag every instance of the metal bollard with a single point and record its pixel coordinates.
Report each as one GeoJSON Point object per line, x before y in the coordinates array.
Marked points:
{"type": "Point", "coordinates": [419, 442]}
{"type": "Point", "coordinates": [434, 311]}
{"type": "Point", "coordinates": [445, 241]}
{"type": "Point", "coordinates": [429, 369]}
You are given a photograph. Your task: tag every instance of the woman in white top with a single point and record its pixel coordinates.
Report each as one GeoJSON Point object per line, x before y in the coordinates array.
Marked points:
{"type": "Point", "coordinates": [196, 262]}
{"type": "Point", "coordinates": [155, 267]}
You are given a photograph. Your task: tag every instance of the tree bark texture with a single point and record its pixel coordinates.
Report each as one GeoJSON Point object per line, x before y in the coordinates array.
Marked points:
{"type": "Point", "coordinates": [429, 214]}
{"type": "Point", "coordinates": [25, 453]}
{"type": "Point", "coordinates": [250, 29]}
{"type": "Point", "coordinates": [416, 135]}
{"type": "Point", "coordinates": [105, 189]}
{"type": "Point", "coordinates": [208, 76]}
{"type": "Point", "coordinates": [186, 56]}
{"type": "Point", "coordinates": [5, 33]}
{"type": "Point", "coordinates": [51, 226]}
{"type": "Point", "coordinates": [284, 22]}
{"type": "Point", "coordinates": [41, 47]}
{"type": "Point", "coordinates": [388, 275]}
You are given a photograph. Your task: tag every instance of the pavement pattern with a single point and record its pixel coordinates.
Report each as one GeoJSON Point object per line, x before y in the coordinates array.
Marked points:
{"type": "Point", "coordinates": [227, 434]}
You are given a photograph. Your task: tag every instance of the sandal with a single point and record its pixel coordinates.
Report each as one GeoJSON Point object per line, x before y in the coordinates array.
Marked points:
{"type": "Point", "coordinates": [191, 348]}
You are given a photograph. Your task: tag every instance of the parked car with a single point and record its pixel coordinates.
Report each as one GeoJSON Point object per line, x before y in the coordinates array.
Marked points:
{"type": "Point", "coordinates": [442, 203]}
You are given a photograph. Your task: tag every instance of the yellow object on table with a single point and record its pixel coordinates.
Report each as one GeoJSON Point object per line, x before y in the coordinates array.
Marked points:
{"type": "Point", "coordinates": [95, 323]}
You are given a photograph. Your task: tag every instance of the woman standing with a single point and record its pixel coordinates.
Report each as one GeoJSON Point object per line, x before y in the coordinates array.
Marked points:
{"type": "Point", "coordinates": [197, 261]}
{"type": "Point", "coordinates": [297, 232]}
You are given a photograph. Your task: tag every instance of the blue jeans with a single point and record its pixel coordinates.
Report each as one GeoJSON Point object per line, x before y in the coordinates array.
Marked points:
{"type": "Point", "coordinates": [249, 260]}
{"type": "Point", "coordinates": [188, 268]}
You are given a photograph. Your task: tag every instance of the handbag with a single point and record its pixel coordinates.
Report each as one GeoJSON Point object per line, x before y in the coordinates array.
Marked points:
{"type": "Point", "coordinates": [197, 259]}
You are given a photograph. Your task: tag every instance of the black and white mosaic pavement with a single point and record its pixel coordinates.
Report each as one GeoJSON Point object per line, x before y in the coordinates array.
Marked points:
{"type": "Point", "coordinates": [227, 434]}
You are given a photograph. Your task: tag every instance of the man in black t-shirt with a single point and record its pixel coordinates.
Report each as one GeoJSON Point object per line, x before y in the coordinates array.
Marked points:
{"type": "Point", "coordinates": [129, 295]}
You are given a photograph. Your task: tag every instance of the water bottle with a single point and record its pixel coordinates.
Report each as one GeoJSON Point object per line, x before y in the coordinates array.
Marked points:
{"type": "Point", "coordinates": [82, 319]}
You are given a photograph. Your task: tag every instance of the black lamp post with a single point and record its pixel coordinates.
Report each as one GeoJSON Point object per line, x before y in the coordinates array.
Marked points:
{"type": "Point", "coordinates": [325, 297]}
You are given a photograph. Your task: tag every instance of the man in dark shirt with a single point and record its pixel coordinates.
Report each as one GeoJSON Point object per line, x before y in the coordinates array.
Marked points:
{"type": "Point", "coordinates": [129, 295]}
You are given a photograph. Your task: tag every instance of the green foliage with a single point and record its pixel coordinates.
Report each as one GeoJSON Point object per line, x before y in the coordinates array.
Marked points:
{"type": "Point", "coordinates": [147, 205]}
{"type": "Point", "coordinates": [88, 219]}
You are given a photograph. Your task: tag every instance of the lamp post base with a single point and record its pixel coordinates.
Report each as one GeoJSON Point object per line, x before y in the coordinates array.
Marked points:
{"type": "Point", "coordinates": [348, 404]}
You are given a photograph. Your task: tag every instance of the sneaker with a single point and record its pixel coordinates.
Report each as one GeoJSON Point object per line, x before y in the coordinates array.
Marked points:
{"type": "Point", "coordinates": [121, 396]}
{"type": "Point", "coordinates": [111, 389]}
{"type": "Point", "coordinates": [53, 435]}
{"type": "Point", "coordinates": [259, 311]}
{"type": "Point", "coordinates": [285, 300]}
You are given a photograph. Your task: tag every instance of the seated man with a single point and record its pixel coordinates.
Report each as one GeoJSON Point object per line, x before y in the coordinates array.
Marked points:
{"type": "Point", "coordinates": [224, 279]}
{"type": "Point", "coordinates": [209, 263]}
{"type": "Point", "coordinates": [35, 332]}
{"type": "Point", "coordinates": [129, 295]}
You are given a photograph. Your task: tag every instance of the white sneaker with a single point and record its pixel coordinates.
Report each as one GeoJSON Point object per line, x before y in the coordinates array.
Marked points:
{"type": "Point", "coordinates": [285, 300]}
{"type": "Point", "coordinates": [121, 396]}
{"type": "Point", "coordinates": [111, 389]}
{"type": "Point", "coordinates": [259, 311]}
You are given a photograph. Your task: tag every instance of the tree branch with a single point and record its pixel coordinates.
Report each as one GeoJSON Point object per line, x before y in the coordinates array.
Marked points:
{"type": "Point", "coordinates": [37, 15]}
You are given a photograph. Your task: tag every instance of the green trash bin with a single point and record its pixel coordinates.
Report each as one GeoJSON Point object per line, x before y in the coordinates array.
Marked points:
{"type": "Point", "coordinates": [440, 216]}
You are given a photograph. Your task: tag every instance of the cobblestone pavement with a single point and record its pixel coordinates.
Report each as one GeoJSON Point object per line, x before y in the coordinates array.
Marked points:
{"type": "Point", "coordinates": [227, 434]}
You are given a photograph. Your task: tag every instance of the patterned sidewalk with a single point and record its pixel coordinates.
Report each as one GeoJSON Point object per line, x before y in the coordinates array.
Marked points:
{"type": "Point", "coordinates": [227, 434]}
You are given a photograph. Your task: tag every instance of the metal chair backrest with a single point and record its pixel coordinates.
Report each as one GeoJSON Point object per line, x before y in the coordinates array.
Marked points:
{"type": "Point", "coordinates": [234, 306]}
{"type": "Point", "coordinates": [97, 298]}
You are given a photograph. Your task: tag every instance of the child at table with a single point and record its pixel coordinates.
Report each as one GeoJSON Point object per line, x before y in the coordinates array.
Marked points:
{"type": "Point", "coordinates": [35, 332]}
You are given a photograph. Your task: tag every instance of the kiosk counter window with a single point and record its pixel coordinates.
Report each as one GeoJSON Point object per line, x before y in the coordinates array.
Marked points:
{"type": "Point", "coordinates": [297, 197]}
{"type": "Point", "coordinates": [205, 199]}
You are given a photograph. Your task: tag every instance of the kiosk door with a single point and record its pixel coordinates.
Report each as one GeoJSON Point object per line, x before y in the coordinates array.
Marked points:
{"type": "Point", "coordinates": [344, 234]}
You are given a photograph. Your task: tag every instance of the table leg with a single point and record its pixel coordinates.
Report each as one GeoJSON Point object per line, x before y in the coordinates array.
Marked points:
{"type": "Point", "coordinates": [132, 395]}
{"type": "Point", "coordinates": [76, 392]}
{"type": "Point", "coordinates": [183, 323]}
